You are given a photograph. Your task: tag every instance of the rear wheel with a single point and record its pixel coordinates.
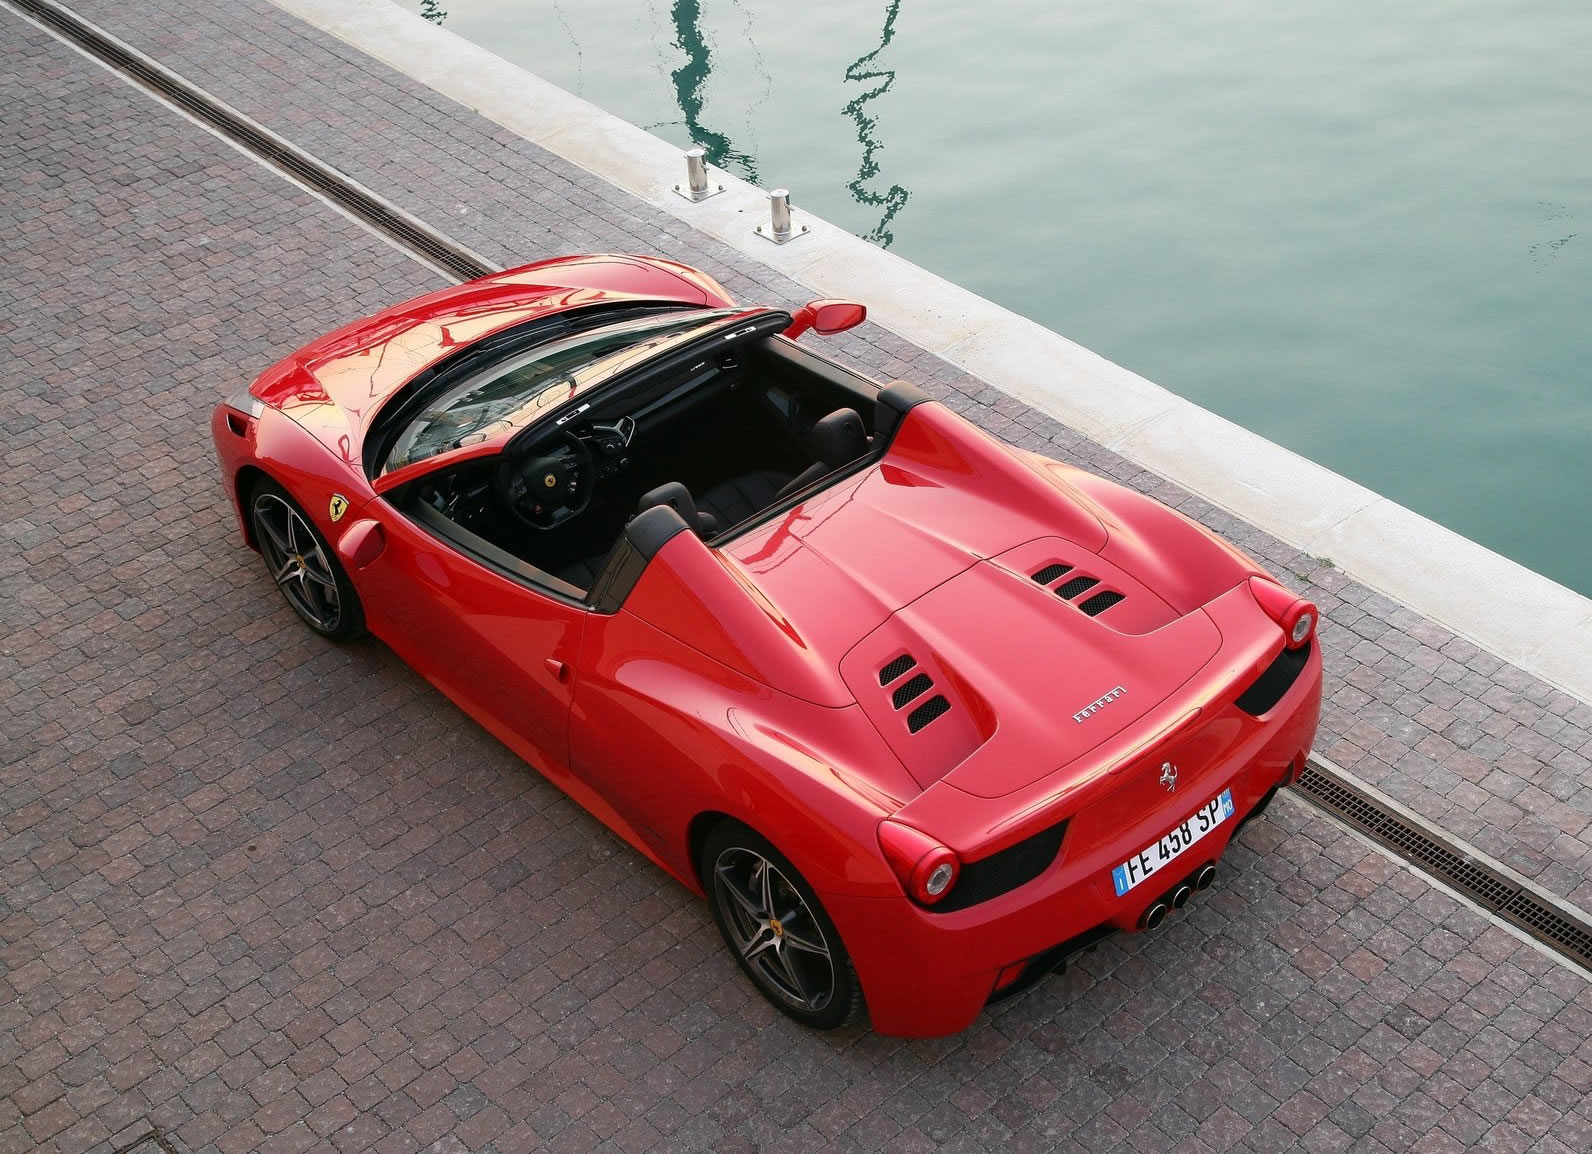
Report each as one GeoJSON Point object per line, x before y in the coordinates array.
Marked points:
{"type": "Point", "coordinates": [303, 565]}
{"type": "Point", "coordinates": [777, 929]}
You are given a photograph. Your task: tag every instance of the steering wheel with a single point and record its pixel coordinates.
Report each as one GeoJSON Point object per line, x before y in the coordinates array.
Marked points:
{"type": "Point", "coordinates": [545, 491]}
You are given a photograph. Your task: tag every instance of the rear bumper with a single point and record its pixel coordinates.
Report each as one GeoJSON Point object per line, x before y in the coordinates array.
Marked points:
{"type": "Point", "coordinates": [926, 974]}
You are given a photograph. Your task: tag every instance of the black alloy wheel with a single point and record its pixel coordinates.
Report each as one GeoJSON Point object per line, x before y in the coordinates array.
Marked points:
{"type": "Point", "coordinates": [303, 565]}
{"type": "Point", "coordinates": [777, 929]}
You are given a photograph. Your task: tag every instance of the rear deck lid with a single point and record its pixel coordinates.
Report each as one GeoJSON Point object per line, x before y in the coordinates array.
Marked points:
{"type": "Point", "coordinates": [991, 681]}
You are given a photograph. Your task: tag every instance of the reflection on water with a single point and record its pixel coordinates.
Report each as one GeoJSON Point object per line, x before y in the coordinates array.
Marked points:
{"type": "Point", "coordinates": [861, 71]}
{"type": "Point", "coordinates": [692, 80]}
{"type": "Point", "coordinates": [689, 81]}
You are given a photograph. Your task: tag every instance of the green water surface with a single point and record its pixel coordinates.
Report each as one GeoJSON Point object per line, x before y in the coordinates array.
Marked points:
{"type": "Point", "coordinates": [1363, 230]}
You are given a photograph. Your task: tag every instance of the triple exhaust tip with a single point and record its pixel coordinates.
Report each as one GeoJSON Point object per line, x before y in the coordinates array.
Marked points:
{"type": "Point", "coordinates": [1178, 897]}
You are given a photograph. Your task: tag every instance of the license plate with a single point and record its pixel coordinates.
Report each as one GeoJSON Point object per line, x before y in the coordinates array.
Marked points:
{"type": "Point", "coordinates": [1152, 859]}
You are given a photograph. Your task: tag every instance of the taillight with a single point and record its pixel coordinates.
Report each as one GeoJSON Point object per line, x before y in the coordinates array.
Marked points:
{"type": "Point", "coordinates": [1296, 615]}
{"type": "Point", "coordinates": [927, 870]}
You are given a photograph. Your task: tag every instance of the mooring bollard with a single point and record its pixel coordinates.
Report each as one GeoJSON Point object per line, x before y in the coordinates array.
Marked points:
{"type": "Point", "coordinates": [696, 186]}
{"type": "Point", "coordinates": [779, 228]}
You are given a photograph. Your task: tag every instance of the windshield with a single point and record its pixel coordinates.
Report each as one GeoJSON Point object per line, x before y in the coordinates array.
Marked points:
{"type": "Point", "coordinates": [513, 392]}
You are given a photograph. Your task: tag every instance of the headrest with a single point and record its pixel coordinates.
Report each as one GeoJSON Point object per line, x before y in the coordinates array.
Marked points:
{"type": "Point", "coordinates": [673, 494]}
{"type": "Point", "coordinates": [678, 498]}
{"type": "Point", "coordinates": [840, 438]}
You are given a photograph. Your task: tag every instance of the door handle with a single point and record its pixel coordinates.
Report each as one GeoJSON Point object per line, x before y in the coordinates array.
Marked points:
{"type": "Point", "coordinates": [558, 669]}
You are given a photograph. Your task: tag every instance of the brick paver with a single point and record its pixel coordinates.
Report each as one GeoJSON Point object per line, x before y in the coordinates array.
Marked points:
{"type": "Point", "coordinates": [265, 893]}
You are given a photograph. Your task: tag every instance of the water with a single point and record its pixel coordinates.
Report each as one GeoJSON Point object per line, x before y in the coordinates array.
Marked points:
{"type": "Point", "coordinates": [1362, 230]}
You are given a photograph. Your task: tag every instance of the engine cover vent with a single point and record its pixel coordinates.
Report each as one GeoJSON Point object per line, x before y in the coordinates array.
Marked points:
{"type": "Point", "coordinates": [935, 706]}
{"type": "Point", "coordinates": [896, 668]}
{"type": "Point", "coordinates": [1074, 587]}
{"type": "Point", "coordinates": [1080, 584]}
{"type": "Point", "coordinates": [1100, 602]}
{"type": "Point", "coordinates": [910, 690]}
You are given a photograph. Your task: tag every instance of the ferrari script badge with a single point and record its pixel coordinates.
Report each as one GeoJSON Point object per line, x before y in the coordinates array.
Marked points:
{"type": "Point", "coordinates": [339, 506]}
{"type": "Point", "coordinates": [1169, 776]}
{"type": "Point", "coordinates": [549, 480]}
{"type": "Point", "coordinates": [1097, 705]}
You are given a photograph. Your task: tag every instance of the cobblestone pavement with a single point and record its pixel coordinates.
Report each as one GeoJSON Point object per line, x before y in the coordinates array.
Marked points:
{"type": "Point", "coordinates": [265, 893]}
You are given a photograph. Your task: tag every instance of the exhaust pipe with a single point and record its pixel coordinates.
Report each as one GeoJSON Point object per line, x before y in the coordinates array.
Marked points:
{"type": "Point", "coordinates": [1206, 875]}
{"type": "Point", "coordinates": [1153, 916]}
{"type": "Point", "coordinates": [1181, 895]}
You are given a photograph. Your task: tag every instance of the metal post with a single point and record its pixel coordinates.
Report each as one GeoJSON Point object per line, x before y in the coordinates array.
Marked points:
{"type": "Point", "coordinates": [779, 228]}
{"type": "Point", "coordinates": [696, 186]}
{"type": "Point", "coordinates": [779, 213]}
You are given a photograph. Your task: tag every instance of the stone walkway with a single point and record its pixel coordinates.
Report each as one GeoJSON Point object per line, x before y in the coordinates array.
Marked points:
{"type": "Point", "coordinates": [264, 893]}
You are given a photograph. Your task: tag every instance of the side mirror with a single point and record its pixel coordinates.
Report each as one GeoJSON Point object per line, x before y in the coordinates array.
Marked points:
{"type": "Point", "coordinates": [826, 317]}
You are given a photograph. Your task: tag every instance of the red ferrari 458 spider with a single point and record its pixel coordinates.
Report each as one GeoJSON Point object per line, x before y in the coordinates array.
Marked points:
{"type": "Point", "coordinates": [922, 714]}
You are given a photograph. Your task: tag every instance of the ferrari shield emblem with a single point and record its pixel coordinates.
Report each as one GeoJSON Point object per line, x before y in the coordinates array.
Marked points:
{"type": "Point", "coordinates": [549, 480]}
{"type": "Point", "coordinates": [339, 506]}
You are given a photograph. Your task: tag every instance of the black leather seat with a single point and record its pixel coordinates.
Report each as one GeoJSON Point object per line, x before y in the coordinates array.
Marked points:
{"type": "Point", "coordinates": [733, 501]}
{"type": "Point", "coordinates": [838, 439]}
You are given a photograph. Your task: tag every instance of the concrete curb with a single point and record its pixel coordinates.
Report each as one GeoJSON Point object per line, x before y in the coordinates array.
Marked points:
{"type": "Point", "coordinates": [1521, 616]}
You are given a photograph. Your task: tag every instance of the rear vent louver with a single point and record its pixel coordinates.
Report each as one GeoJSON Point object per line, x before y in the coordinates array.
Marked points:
{"type": "Point", "coordinates": [1276, 680]}
{"type": "Point", "coordinates": [1099, 603]}
{"type": "Point", "coordinates": [909, 691]}
{"type": "Point", "coordinates": [1078, 585]}
{"type": "Point", "coordinates": [896, 668]}
{"type": "Point", "coordinates": [935, 706]}
{"type": "Point", "coordinates": [1074, 587]}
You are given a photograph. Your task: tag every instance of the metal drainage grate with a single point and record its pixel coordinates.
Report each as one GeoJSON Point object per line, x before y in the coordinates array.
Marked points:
{"type": "Point", "coordinates": [1554, 926]}
{"type": "Point", "coordinates": [342, 190]}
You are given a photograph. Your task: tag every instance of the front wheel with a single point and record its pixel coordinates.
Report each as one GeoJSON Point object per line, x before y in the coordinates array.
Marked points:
{"type": "Point", "coordinates": [303, 565]}
{"type": "Point", "coordinates": [777, 929]}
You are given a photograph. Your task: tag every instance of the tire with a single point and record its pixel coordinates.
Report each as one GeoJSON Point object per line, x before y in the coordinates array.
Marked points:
{"type": "Point", "coordinates": [777, 929]}
{"type": "Point", "coordinates": [303, 564]}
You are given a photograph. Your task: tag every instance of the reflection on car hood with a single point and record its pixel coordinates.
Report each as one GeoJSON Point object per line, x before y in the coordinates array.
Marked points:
{"type": "Point", "coordinates": [958, 589]}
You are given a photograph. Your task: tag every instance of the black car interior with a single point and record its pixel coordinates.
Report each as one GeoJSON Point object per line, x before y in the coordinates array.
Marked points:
{"type": "Point", "coordinates": [720, 438]}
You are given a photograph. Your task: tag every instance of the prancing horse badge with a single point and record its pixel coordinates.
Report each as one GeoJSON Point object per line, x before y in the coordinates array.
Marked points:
{"type": "Point", "coordinates": [339, 506]}
{"type": "Point", "coordinates": [1169, 776]}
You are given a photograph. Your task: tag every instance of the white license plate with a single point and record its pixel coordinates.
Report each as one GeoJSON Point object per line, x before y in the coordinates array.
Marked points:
{"type": "Point", "coordinates": [1152, 859]}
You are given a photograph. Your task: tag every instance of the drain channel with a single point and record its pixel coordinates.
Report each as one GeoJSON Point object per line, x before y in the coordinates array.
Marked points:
{"type": "Point", "coordinates": [337, 187]}
{"type": "Point", "coordinates": [1561, 929]}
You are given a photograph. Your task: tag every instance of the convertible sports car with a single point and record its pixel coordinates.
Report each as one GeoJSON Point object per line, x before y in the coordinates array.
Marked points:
{"type": "Point", "coordinates": [921, 714]}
